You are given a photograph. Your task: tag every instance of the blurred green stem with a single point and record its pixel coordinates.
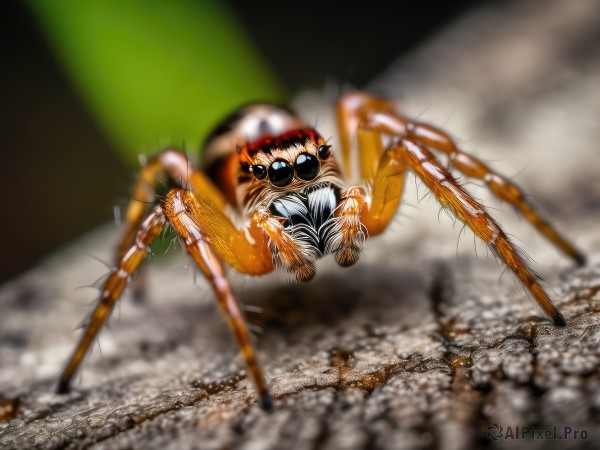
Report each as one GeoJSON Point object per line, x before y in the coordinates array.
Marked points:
{"type": "Point", "coordinates": [156, 73]}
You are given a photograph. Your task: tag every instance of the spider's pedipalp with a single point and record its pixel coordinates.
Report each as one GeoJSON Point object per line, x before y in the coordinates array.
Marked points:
{"type": "Point", "coordinates": [351, 231]}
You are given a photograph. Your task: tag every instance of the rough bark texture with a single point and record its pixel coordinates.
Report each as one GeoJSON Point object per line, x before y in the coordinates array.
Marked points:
{"type": "Point", "coordinates": [419, 345]}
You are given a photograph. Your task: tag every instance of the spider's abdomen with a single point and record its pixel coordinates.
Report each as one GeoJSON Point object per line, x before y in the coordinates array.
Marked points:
{"type": "Point", "coordinates": [220, 154]}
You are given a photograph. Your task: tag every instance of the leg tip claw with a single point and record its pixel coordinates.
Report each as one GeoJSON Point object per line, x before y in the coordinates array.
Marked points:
{"type": "Point", "coordinates": [266, 403]}
{"type": "Point", "coordinates": [560, 321]}
{"type": "Point", "coordinates": [63, 387]}
{"type": "Point", "coordinates": [581, 260]}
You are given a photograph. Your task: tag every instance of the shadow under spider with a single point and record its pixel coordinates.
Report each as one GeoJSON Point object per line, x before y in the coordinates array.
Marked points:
{"type": "Point", "coordinates": [335, 297]}
{"type": "Point", "coordinates": [336, 301]}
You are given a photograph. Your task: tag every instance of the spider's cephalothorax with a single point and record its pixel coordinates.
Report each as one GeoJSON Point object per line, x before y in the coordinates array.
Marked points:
{"type": "Point", "coordinates": [277, 166]}
{"type": "Point", "coordinates": [271, 195]}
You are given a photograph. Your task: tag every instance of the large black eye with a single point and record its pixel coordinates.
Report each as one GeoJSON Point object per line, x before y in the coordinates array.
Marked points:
{"type": "Point", "coordinates": [307, 166]}
{"type": "Point", "coordinates": [324, 151]}
{"type": "Point", "coordinates": [259, 171]}
{"type": "Point", "coordinates": [281, 173]}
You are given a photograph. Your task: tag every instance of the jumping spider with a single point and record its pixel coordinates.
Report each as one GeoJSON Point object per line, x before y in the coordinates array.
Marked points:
{"type": "Point", "coordinates": [272, 195]}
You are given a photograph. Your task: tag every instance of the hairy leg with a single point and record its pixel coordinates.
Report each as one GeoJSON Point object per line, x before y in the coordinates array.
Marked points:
{"type": "Point", "coordinates": [208, 235]}
{"type": "Point", "coordinates": [451, 195]}
{"type": "Point", "coordinates": [384, 175]}
{"type": "Point", "coordinates": [360, 113]}
{"type": "Point", "coordinates": [352, 232]}
{"type": "Point", "coordinates": [387, 182]}
{"type": "Point", "coordinates": [186, 215]}
{"type": "Point", "coordinates": [501, 187]}
{"type": "Point", "coordinates": [168, 166]}
{"type": "Point", "coordinates": [291, 255]}
{"type": "Point", "coordinates": [111, 292]}
{"type": "Point", "coordinates": [174, 169]}
{"type": "Point", "coordinates": [369, 118]}
{"type": "Point", "coordinates": [352, 110]}
{"type": "Point", "coordinates": [387, 190]}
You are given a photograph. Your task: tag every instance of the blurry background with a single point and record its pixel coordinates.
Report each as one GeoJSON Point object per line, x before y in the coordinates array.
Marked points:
{"type": "Point", "coordinates": [65, 169]}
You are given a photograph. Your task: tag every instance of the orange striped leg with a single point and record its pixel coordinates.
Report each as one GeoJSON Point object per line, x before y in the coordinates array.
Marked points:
{"type": "Point", "coordinates": [358, 112]}
{"type": "Point", "coordinates": [185, 214]}
{"type": "Point", "coordinates": [111, 292]}
{"type": "Point", "coordinates": [366, 116]}
{"type": "Point", "coordinates": [171, 166]}
{"type": "Point", "coordinates": [351, 111]}
{"type": "Point", "coordinates": [450, 194]}
{"type": "Point", "coordinates": [386, 175]}
{"type": "Point", "coordinates": [386, 191]}
{"type": "Point", "coordinates": [174, 169]}
{"type": "Point", "coordinates": [472, 167]}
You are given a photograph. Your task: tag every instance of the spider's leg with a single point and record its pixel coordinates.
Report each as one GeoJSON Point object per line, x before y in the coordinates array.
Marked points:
{"type": "Point", "coordinates": [189, 218]}
{"type": "Point", "coordinates": [387, 186]}
{"type": "Point", "coordinates": [385, 175]}
{"type": "Point", "coordinates": [172, 168]}
{"type": "Point", "coordinates": [500, 186]}
{"type": "Point", "coordinates": [352, 109]}
{"type": "Point", "coordinates": [387, 189]}
{"type": "Point", "coordinates": [166, 165]}
{"type": "Point", "coordinates": [451, 195]}
{"type": "Point", "coordinates": [111, 292]}
{"type": "Point", "coordinates": [358, 113]}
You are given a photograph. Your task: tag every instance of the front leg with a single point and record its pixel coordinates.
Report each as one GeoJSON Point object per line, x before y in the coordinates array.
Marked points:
{"type": "Point", "coordinates": [209, 237]}
{"type": "Point", "coordinates": [171, 168]}
{"type": "Point", "coordinates": [187, 216]}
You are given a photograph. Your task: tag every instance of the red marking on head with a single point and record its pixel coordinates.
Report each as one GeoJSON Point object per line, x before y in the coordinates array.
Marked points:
{"type": "Point", "coordinates": [284, 140]}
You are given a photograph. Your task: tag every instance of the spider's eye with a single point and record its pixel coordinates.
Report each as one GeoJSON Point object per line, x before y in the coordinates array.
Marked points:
{"type": "Point", "coordinates": [324, 151]}
{"type": "Point", "coordinates": [259, 171]}
{"type": "Point", "coordinates": [281, 173]}
{"type": "Point", "coordinates": [307, 166]}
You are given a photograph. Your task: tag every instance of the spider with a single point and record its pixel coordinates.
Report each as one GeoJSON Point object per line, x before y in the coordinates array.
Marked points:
{"type": "Point", "coordinates": [272, 196]}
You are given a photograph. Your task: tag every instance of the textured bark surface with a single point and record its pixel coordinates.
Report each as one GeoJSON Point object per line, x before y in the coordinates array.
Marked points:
{"type": "Point", "coordinates": [419, 345]}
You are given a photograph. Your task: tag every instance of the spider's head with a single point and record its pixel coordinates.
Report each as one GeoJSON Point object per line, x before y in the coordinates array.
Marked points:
{"type": "Point", "coordinates": [289, 162]}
